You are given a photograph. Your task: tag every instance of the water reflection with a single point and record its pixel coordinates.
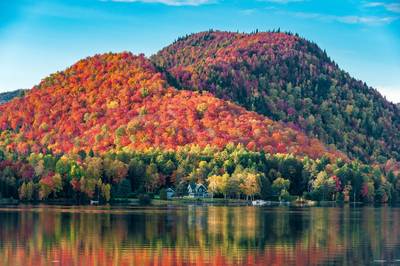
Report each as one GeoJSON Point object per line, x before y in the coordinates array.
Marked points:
{"type": "Point", "coordinates": [211, 235]}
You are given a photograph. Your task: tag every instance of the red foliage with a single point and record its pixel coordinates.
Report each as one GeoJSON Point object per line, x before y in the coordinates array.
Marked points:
{"type": "Point", "coordinates": [224, 53]}
{"type": "Point", "coordinates": [76, 186]}
{"type": "Point", "coordinates": [338, 183]}
{"type": "Point", "coordinates": [48, 180]}
{"type": "Point", "coordinates": [27, 172]}
{"type": "Point", "coordinates": [364, 190]}
{"type": "Point", "coordinates": [120, 100]}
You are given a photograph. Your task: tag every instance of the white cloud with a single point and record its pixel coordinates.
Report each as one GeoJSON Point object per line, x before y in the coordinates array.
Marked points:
{"type": "Point", "coordinates": [170, 2]}
{"type": "Point", "coordinates": [366, 20]}
{"type": "Point", "coordinates": [392, 7]}
{"type": "Point", "coordinates": [391, 93]}
{"type": "Point", "coordinates": [369, 20]}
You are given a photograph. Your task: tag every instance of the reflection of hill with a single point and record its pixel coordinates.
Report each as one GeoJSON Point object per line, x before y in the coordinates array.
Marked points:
{"type": "Point", "coordinates": [198, 236]}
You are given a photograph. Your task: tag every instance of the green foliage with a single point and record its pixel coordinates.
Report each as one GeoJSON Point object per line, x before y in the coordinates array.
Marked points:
{"type": "Point", "coordinates": [280, 187]}
{"type": "Point", "coordinates": [233, 171]}
{"type": "Point", "coordinates": [124, 188]}
{"type": "Point", "coordinates": [144, 92]}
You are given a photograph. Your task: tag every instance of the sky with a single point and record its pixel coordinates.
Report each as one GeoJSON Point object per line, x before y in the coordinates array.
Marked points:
{"type": "Point", "coordinates": [40, 37]}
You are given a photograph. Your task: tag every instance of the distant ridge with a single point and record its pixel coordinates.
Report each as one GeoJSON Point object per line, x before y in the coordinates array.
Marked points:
{"type": "Point", "coordinates": [9, 95]}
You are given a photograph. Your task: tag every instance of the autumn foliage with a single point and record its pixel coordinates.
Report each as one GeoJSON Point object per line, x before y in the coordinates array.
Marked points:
{"type": "Point", "coordinates": [120, 101]}
{"type": "Point", "coordinates": [288, 79]}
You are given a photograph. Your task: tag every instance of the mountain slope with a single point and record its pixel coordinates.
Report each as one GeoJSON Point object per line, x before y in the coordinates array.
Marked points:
{"type": "Point", "coordinates": [9, 95]}
{"type": "Point", "coordinates": [115, 101]}
{"type": "Point", "coordinates": [288, 79]}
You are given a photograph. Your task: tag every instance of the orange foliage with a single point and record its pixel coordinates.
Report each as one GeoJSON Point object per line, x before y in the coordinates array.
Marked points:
{"type": "Point", "coordinates": [114, 101]}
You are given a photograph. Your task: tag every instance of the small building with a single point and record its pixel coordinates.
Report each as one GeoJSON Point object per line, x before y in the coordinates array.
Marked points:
{"type": "Point", "coordinates": [170, 193]}
{"type": "Point", "coordinates": [197, 190]}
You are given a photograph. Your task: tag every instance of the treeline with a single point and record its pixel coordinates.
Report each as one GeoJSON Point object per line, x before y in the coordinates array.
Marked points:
{"type": "Point", "coordinates": [231, 172]}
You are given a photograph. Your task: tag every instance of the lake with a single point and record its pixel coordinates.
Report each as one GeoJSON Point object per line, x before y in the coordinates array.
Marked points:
{"type": "Point", "coordinates": [199, 235]}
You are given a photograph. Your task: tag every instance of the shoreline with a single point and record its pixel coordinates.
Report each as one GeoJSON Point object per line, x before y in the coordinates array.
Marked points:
{"type": "Point", "coordinates": [121, 202]}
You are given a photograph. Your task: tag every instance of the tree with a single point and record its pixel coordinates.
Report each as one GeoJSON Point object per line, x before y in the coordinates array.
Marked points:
{"type": "Point", "coordinates": [219, 184]}
{"type": "Point", "coordinates": [106, 192]}
{"type": "Point", "coordinates": [232, 185]}
{"type": "Point", "coordinates": [8, 182]}
{"type": "Point", "coordinates": [94, 167]}
{"type": "Point", "coordinates": [124, 188]}
{"type": "Point", "coordinates": [57, 184]}
{"type": "Point", "coordinates": [151, 177]}
{"type": "Point", "coordinates": [265, 187]}
{"type": "Point", "coordinates": [63, 166]}
{"type": "Point", "coordinates": [115, 170]}
{"type": "Point", "coordinates": [250, 181]}
{"type": "Point", "coordinates": [280, 187]}
{"type": "Point", "coordinates": [27, 172]}
{"type": "Point", "coordinates": [23, 192]}
{"type": "Point", "coordinates": [39, 168]}
{"type": "Point", "coordinates": [30, 190]}
{"type": "Point", "coordinates": [323, 186]}
{"type": "Point", "coordinates": [51, 183]}
{"type": "Point", "coordinates": [136, 173]}
{"type": "Point", "coordinates": [292, 169]}
{"type": "Point", "coordinates": [199, 174]}
{"type": "Point", "coordinates": [368, 191]}
{"type": "Point", "coordinates": [88, 186]}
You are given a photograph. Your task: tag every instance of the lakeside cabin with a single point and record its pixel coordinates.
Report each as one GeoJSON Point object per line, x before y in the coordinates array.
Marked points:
{"type": "Point", "coordinates": [197, 190]}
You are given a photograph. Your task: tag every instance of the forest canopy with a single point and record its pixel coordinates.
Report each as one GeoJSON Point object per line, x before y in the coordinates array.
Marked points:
{"type": "Point", "coordinates": [291, 80]}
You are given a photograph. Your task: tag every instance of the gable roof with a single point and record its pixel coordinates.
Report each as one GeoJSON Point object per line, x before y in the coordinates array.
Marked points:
{"type": "Point", "coordinates": [192, 186]}
{"type": "Point", "coordinates": [195, 188]}
{"type": "Point", "coordinates": [198, 186]}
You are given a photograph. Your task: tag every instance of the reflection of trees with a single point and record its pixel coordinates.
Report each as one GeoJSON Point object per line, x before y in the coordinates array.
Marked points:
{"type": "Point", "coordinates": [195, 235]}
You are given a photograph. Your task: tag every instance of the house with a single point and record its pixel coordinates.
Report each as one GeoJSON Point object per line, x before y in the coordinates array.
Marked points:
{"type": "Point", "coordinates": [197, 190]}
{"type": "Point", "coordinates": [170, 193]}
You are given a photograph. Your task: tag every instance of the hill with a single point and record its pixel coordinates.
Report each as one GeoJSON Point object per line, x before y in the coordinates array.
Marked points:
{"type": "Point", "coordinates": [288, 79]}
{"type": "Point", "coordinates": [9, 95]}
{"type": "Point", "coordinates": [120, 101]}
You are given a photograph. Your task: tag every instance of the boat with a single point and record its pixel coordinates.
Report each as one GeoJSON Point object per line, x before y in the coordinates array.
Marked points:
{"type": "Point", "coordinates": [260, 202]}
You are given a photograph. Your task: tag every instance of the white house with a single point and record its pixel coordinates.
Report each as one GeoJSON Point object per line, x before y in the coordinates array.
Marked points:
{"type": "Point", "coordinates": [197, 190]}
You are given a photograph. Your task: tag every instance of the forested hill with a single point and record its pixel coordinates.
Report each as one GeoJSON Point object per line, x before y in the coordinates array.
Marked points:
{"type": "Point", "coordinates": [120, 101]}
{"type": "Point", "coordinates": [288, 79]}
{"type": "Point", "coordinates": [9, 95]}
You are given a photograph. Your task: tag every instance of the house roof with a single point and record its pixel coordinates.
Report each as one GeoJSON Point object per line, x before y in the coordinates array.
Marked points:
{"type": "Point", "coordinates": [195, 187]}
{"type": "Point", "coordinates": [192, 186]}
{"type": "Point", "coordinates": [198, 186]}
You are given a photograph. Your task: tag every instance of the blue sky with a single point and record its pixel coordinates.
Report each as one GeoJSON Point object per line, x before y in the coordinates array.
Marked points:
{"type": "Point", "coordinates": [41, 37]}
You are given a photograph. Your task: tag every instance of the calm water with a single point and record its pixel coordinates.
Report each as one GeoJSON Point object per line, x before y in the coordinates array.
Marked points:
{"type": "Point", "coordinates": [195, 235]}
